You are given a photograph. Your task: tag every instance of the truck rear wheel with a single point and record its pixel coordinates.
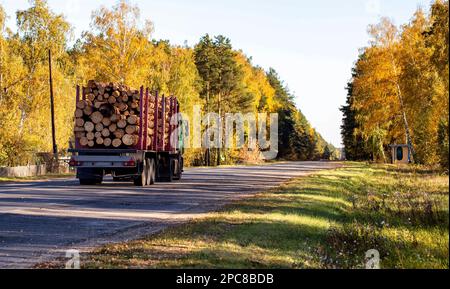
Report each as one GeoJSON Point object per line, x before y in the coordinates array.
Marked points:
{"type": "Point", "coordinates": [90, 176]}
{"type": "Point", "coordinates": [141, 180]}
{"type": "Point", "coordinates": [178, 170]}
{"type": "Point", "coordinates": [151, 171]}
{"type": "Point", "coordinates": [171, 168]}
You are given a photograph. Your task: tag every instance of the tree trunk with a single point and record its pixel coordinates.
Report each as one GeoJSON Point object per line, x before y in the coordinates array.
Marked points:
{"type": "Point", "coordinates": [220, 128]}
{"type": "Point", "coordinates": [403, 111]}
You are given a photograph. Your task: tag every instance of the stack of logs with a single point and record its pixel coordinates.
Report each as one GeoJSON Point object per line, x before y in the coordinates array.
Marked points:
{"type": "Point", "coordinates": [108, 115]}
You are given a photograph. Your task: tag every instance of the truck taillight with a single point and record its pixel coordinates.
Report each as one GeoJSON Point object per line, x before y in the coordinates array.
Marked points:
{"type": "Point", "coordinates": [130, 163]}
{"type": "Point", "coordinates": [74, 163]}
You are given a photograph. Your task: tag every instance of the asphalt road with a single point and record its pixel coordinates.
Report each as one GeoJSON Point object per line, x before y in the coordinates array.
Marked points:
{"type": "Point", "coordinates": [40, 220]}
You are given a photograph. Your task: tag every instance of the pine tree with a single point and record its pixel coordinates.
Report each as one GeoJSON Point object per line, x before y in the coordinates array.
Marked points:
{"type": "Point", "coordinates": [221, 77]}
{"type": "Point", "coordinates": [355, 148]}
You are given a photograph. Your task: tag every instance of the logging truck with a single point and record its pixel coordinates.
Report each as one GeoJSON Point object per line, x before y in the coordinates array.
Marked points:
{"type": "Point", "coordinates": [133, 135]}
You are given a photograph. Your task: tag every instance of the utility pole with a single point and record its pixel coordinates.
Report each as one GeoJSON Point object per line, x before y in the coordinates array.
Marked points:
{"type": "Point", "coordinates": [220, 129]}
{"type": "Point", "coordinates": [52, 106]}
{"type": "Point", "coordinates": [208, 150]}
{"type": "Point", "coordinates": [411, 153]}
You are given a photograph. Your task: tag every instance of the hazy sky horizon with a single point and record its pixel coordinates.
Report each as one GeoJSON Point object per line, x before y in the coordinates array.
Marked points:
{"type": "Point", "coordinates": [312, 44]}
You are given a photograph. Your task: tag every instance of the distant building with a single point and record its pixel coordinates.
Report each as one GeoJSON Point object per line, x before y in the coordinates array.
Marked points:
{"type": "Point", "coordinates": [400, 153]}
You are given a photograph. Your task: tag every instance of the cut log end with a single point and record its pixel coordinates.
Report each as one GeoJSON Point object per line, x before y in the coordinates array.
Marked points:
{"type": "Point", "coordinates": [97, 117]}
{"type": "Point", "coordinates": [116, 143]}
{"type": "Point", "coordinates": [79, 122]}
{"type": "Point", "coordinates": [130, 140]}
{"type": "Point", "coordinates": [90, 136]}
{"type": "Point", "coordinates": [133, 119]}
{"type": "Point", "coordinates": [121, 124]}
{"type": "Point", "coordinates": [107, 142]}
{"type": "Point", "coordinates": [84, 141]}
{"type": "Point", "coordinates": [89, 126]}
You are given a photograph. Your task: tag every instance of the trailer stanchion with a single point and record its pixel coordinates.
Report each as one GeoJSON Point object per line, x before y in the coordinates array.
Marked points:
{"type": "Point", "coordinates": [155, 135]}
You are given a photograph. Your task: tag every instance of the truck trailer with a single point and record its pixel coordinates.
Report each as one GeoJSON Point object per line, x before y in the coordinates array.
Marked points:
{"type": "Point", "coordinates": [155, 152]}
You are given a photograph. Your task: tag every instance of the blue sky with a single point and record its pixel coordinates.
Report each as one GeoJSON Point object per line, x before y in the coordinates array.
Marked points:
{"type": "Point", "coordinates": [312, 44]}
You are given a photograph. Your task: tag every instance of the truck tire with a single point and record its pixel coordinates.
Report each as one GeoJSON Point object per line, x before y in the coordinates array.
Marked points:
{"type": "Point", "coordinates": [151, 172]}
{"type": "Point", "coordinates": [171, 168]}
{"type": "Point", "coordinates": [147, 168]}
{"type": "Point", "coordinates": [141, 180]}
{"type": "Point", "coordinates": [179, 171]}
{"type": "Point", "coordinates": [89, 177]}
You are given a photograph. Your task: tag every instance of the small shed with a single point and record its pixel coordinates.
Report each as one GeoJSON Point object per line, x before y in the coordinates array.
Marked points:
{"type": "Point", "coordinates": [400, 153]}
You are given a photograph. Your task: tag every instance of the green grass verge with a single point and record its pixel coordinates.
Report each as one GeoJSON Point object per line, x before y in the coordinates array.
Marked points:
{"type": "Point", "coordinates": [328, 220]}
